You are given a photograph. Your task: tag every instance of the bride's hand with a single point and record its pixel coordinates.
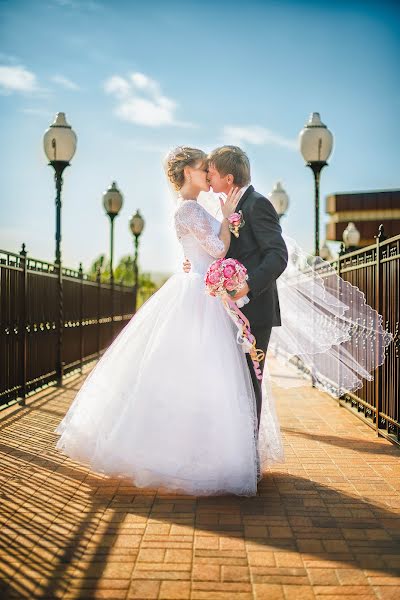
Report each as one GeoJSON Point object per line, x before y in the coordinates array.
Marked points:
{"type": "Point", "coordinates": [232, 200]}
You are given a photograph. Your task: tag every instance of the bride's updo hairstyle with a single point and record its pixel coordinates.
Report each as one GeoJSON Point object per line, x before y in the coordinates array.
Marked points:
{"type": "Point", "coordinates": [178, 159]}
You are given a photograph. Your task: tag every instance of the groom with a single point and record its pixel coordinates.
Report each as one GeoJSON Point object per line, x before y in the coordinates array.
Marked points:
{"type": "Point", "coordinates": [259, 247]}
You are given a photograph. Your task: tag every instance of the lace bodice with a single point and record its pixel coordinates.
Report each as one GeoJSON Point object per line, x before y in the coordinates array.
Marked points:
{"type": "Point", "coordinates": [198, 231]}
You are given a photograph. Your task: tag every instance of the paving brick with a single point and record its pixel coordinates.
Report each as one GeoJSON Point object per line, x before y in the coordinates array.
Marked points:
{"type": "Point", "coordinates": [385, 580]}
{"type": "Point", "coordinates": [220, 595]}
{"type": "Point", "coordinates": [182, 556]}
{"type": "Point", "coordinates": [323, 576]}
{"type": "Point", "coordinates": [335, 545]}
{"type": "Point", "coordinates": [144, 590]}
{"type": "Point", "coordinates": [172, 590]}
{"type": "Point", "coordinates": [387, 593]}
{"type": "Point", "coordinates": [227, 543]}
{"type": "Point", "coordinates": [202, 542]}
{"type": "Point", "coordinates": [160, 574]}
{"type": "Point", "coordinates": [266, 559]}
{"type": "Point", "coordinates": [263, 591]}
{"type": "Point", "coordinates": [164, 566]}
{"type": "Point", "coordinates": [351, 577]}
{"type": "Point", "coordinates": [298, 592]}
{"type": "Point", "coordinates": [348, 590]}
{"type": "Point", "coordinates": [235, 573]}
{"type": "Point", "coordinates": [206, 572]}
{"type": "Point", "coordinates": [288, 559]}
{"type": "Point", "coordinates": [324, 525]}
{"type": "Point", "coordinates": [150, 555]}
{"type": "Point", "coordinates": [232, 587]}
{"type": "Point", "coordinates": [279, 575]}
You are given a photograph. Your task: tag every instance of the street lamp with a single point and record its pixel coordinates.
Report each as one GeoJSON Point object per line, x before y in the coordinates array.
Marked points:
{"type": "Point", "coordinates": [59, 145]}
{"type": "Point", "coordinates": [279, 199]}
{"type": "Point", "coordinates": [316, 142]}
{"type": "Point", "coordinates": [112, 202]}
{"type": "Point", "coordinates": [351, 237]}
{"type": "Point", "coordinates": [136, 224]}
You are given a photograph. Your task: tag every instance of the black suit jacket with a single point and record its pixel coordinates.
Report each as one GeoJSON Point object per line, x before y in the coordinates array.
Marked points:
{"type": "Point", "coordinates": [262, 250]}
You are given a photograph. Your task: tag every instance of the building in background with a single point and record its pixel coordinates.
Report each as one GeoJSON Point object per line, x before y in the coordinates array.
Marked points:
{"type": "Point", "coordinates": [367, 210]}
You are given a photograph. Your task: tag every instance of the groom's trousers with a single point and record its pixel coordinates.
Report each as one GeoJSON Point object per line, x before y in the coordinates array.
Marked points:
{"type": "Point", "coordinates": [262, 335]}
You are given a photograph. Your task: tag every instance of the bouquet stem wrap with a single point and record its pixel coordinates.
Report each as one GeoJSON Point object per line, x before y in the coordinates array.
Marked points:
{"type": "Point", "coordinates": [244, 336]}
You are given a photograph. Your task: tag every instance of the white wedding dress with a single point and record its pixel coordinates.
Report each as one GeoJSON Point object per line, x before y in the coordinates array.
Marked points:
{"type": "Point", "coordinates": [171, 404]}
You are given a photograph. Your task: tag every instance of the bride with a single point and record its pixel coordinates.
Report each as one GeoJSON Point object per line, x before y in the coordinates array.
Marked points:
{"type": "Point", "coordinates": [171, 403]}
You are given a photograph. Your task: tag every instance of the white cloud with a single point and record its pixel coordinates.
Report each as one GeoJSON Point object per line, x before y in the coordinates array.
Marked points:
{"type": "Point", "coordinates": [140, 100]}
{"type": "Point", "coordinates": [17, 79]}
{"type": "Point", "coordinates": [118, 86]}
{"type": "Point", "coordinates": [65, 82]}
{"type": "Point", "coordinates": [254, 134]}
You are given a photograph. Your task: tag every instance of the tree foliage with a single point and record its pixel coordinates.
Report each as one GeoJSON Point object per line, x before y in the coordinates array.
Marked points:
{"type": "Point", "coordinates": [123, 272]}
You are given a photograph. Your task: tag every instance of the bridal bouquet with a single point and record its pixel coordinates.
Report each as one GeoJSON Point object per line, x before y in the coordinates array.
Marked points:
{"type": "Point", "coordinates": [226, 276]}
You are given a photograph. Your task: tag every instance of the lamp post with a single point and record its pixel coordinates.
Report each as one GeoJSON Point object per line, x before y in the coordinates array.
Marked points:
{"type": "Point", "coordinates": [136, 224]}
{"type": "Point", "coordinates": [351, 237]}
{"type": "Point", "coordinates": [279, 199]}
{"type": "Point", "coordinates": [316, 143]}
{"type": "Point", "coordinates": [112, 202]}
{"type": "Point", "coordinates": [59, 143]}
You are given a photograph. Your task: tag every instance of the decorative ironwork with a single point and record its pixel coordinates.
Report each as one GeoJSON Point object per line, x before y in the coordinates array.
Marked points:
{"type": "Point", "coordinates": [376, 271]}
{"type": "Point", "coordinates": [396, 340]}
{"type": "Point", "coordinates": [31, 312]}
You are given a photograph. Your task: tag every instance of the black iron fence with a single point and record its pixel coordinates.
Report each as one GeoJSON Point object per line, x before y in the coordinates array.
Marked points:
{"type": "Point", "coordinates": [47, 331]}
{"type": "Point", "coordinates": [376, 271]}
{"type": "Point", "coordinates": [53, 322]}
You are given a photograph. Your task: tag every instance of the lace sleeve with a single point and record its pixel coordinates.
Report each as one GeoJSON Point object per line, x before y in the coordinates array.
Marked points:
{"type": "Point", "coordinates": [194, 219]}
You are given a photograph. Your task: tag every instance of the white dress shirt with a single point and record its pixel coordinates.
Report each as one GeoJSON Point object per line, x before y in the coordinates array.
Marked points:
{"type": "Point", "coordinates": [244, 188]}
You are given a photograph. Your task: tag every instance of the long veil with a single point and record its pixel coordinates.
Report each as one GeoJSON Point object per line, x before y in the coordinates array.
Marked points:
{"type": "Point", "coordinates": [327, 325]}
{"type": "Point", "coordinates": [328, 329]}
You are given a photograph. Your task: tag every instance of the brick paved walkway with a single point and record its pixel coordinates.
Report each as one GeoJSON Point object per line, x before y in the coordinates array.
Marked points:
{"type": "Point", "coordinates": [325, 525]}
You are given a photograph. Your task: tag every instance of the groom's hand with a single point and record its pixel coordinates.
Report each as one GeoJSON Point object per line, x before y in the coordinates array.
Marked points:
{"type": "Point", "coordinates": [187, 265]}
{"type": "Point", "coordinates": [243, 292]}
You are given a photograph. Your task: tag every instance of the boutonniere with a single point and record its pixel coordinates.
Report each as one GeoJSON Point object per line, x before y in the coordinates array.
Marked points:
{"type": "Point", "coordinates": [236, 222]}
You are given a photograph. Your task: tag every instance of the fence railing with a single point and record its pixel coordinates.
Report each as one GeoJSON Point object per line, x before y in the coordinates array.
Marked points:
{"type": "Point", "coordinates": [52, 323]}
{"type": "Point", "coordinates": [38, 324]}
{"type": "Point", "coordinates": [376, 271]}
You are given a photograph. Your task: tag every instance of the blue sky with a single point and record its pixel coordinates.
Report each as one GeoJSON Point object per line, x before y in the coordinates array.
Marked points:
{"type": "Point", "coordinates": [136, 78]}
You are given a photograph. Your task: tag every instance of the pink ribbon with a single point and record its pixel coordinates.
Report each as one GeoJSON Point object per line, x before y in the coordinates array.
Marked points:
{"type": "Point", "coordinates": [243, 325]}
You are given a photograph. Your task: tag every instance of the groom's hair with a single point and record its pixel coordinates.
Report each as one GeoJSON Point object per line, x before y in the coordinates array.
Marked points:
{"type": "Point", "coordinates": [231, 160]}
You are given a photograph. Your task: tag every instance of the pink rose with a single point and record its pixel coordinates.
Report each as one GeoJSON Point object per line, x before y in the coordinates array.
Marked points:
{"type": "Point", "coordinates": [229, 271]}
{"type": "Point", "coordinates": [230, 285]}
{"type": "Point", "coordinates": [230, 261]}
{"type": "Point", "coordinates": [235, 219]}
{"type": "Point", "coordinates": [213, 277]}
